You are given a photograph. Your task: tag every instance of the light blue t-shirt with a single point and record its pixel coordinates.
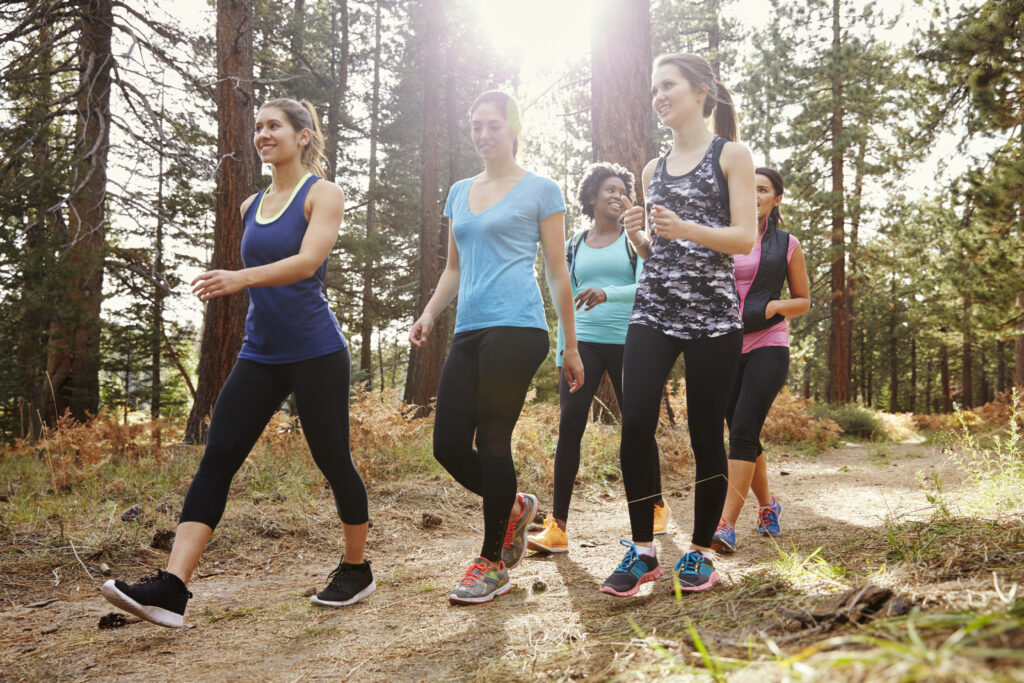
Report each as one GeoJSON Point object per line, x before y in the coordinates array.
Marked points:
{"type": "Point", "coordinates": [606, 268]}
{"type": "Point", "coordinates": [497, 251]}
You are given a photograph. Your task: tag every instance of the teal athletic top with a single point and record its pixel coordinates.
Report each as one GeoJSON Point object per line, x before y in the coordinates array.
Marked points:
{"type": "Point", "coordinates": [497, 252]}
{"type": "Point", "coordinates": [606, 268]}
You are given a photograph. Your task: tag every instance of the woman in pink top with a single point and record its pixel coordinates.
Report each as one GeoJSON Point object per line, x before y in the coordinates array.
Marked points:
{"type": "Point", "coordinates": [764, 362]}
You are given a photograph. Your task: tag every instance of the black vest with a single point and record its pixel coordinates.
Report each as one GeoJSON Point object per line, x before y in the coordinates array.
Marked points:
{"type": "Point", "coordinates": [771, 274]}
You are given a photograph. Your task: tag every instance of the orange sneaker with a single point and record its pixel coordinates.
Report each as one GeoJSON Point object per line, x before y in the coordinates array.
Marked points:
{"type": "Point", "coordinates": [661, 515]}
{"type": "Point", "coordinates": [551, 540]}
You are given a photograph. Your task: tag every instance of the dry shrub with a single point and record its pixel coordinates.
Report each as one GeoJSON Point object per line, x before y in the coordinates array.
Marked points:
{"type": "Point", "coordinates": [73, 450]}
{"type": "Point", "coordinates": [789, 421]}
{"type": "Point", "coordinates": [898, 426]}
{"type": "Point", "coordinates": [385, 431]}
{"type": "Point", "coordinates": [998, 411]}
{"type": "Point", "coordinates": [935, 422]}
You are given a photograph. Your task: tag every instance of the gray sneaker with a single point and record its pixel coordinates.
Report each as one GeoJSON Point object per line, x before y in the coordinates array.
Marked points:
{"type": "Point", "coordinates": [514, 547]}
{"type": "Point", "coordinates": [483, 582]}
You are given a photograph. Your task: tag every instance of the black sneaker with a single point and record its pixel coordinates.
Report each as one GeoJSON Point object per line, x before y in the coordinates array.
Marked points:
{"type": "Point", "coordinates": [160, 599]}
{"type": "Point", "coordinates": [348, 584]}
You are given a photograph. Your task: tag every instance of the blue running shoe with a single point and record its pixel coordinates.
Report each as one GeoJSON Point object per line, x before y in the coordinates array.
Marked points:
{"type": "Point", "coordinates": [768, 519]}
{"type": "Point", "coordinates": [696, 572]}
{"type": "Point", "coordinates": [634, 571]}
{"type": "Point", "coordinates": [725, 538]}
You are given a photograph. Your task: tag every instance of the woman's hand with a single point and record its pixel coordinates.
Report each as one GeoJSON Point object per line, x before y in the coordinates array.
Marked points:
{"type": "Point", "coordinates": [771, 309]}
{"type": "Point", "coordinates": [421, 330]}
{"type": "Point", "coordinates": [634, 220]}
{"type": "Point", "coordinates": [665, 223]}
{"type": "Point", "coordinates": [590, 297]}
{"type": "Point", "coordinates": [214, 283]}
{"type": "Point", "coordinates": [572, 366]}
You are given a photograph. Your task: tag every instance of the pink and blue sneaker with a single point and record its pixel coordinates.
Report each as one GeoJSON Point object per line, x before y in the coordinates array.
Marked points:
{"type": "Point", "coordinates": [768, 518]}
{"type": "Point", "coordinates": [696, 572]}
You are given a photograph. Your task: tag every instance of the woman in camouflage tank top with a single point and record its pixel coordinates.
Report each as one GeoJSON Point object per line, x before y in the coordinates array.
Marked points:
{"type": "Point", "coordinates": [701, 211]}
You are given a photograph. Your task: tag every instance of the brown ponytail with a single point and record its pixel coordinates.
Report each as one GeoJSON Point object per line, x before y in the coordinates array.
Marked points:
{"type": "Point", "coordinates": [697, 71]}
{"type": "Point", "coordinates": [302, 116]}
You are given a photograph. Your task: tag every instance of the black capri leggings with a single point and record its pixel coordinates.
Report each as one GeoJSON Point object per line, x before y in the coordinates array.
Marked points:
{"type": "Point", "coordinates": [247, 401]}
{"type": "Point", "coordinates": [575, 412]}
{"type": "Point", "coordinates": [710, 368]}
{"type": "Point", "coordinates": [760, 376]}
{"type": "Point", "coordinates": [482, 390]}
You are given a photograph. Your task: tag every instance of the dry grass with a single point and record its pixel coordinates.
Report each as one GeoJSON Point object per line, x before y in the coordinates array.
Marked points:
{"type": "Point", "coordinates": [789, 422]}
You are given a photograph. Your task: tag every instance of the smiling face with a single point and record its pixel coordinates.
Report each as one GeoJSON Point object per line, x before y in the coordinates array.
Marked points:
{"type": "Point", "coordinates": [766, 197]}
{"type": "Point", "coordinates": [674, 99]}
{"type": "Point", "coordinates": [607, 202]}
{"type": "Point", "coordinates": [276, 139]}
{"type": "Point", "coordinates": [491, 133]}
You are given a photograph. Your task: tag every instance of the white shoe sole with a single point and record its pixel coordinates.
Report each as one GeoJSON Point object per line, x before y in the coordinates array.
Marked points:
{"type": "Point", "coordinates": [351, 601]}
{"type": "Point", "coordinates": [541, 548]}
{"type": "Point", "coordinates": [486, 598]}
{"type": "Point", "coordinates": [151, 613]}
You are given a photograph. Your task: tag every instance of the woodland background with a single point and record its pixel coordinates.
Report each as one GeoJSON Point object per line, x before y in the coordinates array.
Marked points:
{"type": "Point", "coordinates": [125, 150]}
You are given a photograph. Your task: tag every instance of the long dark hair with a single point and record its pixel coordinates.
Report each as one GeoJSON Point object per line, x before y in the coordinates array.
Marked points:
{"type": "Point", "coordinates": [697, 71]}
{"type": "Point", "coordinates": [774, 218]}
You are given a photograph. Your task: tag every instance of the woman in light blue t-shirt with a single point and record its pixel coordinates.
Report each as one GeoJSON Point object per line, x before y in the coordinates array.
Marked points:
{"type": "Point", "coordinates": [603, 269]}
{"type": "Point", "coordinates": [497, 220]}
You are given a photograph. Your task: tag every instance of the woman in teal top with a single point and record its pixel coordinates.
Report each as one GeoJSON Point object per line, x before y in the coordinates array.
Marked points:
{"type": "Point", "coordinates": [497, 220]}
{"type": "Point", "coordinates": [603, 269]}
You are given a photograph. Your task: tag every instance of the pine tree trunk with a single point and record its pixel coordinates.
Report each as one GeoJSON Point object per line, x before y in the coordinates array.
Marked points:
{"type": "Point", "coordinates": [983, 387]}
{"type": "Point", "coordinates": [339, 79]}
{"type": "Point", "coordinates": [851, 281]}
{"type": "Point", "coordinates": [1018, 348]}
{"type": "Point", "coordinates": [1000, 366]}
{"type": "Point", "coordinates": [368, 312]}
{"type": "Point", "coordinates": [947, 396]}
{"type": "Point", "coordinates": [913, 374]}
{"type": "Point", "coordinates": [893, 350]}
{"type": "Point", "coordinates": [157, 305]}
{"type": "Point", "coordinates": [72, 364]}
{"type": "Point", "coordinates": [838, 339]}
{"type": "Point", "coordinates": [426, 362]}
{"type": "Point", "coordinates": [967, 391]}
{"type": "Point", "coordinates": [622, 125]}
{"type": "Point", "coordinates": [224, 324]}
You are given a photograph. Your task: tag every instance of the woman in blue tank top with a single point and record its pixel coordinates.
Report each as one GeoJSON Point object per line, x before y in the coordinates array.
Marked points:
{"type": "Point", "coordinates": [293, 344]}
{"type": "Point", "coordinates": [497, 220]}
{"type": "Point", "coordinates": [700, 197]}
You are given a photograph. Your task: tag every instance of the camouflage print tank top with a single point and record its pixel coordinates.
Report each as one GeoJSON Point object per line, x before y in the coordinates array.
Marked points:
{"type": "Point", "coordinates": [687, 290]}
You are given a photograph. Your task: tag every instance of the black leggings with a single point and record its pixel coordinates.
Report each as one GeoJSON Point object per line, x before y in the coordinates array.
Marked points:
{"type": "Point", "coordinates": [482, 390]}
{"type": "Point", "coordinates": [710, 368]}
{"type": "Point", "coordinates": [760, 376]}
{"type": "Point", "coordinates": [247, 401]}
{"type": "Point", "coordinates": [597, 358]}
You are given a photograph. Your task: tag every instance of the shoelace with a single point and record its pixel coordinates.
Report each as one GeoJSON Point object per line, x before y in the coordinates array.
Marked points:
{"type": "Point", "coordinates": [690, 561]}
{"type": "Point", "coordinates": [766, 516]}
{"type": "Point", "coordinates": [475, 573]}
{"type": "Point", "coordinates": [723, 526]}
{"type": "Point", "coordinates": [631, 556]}
{"type": "Point", "coordinates": [510, 530]}
{"type": "Point", "coordinates": [161, 575]}
{"type": "Point", "coordinates": [339, 572]}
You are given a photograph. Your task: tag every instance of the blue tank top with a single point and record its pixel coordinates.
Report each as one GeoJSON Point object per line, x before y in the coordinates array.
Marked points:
{"type": "Point", "coordinates": [286, 323]}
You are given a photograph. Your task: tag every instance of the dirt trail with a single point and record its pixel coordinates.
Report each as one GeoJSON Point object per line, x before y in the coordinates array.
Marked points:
{"type": "Point", "coordinates": [254, 623]}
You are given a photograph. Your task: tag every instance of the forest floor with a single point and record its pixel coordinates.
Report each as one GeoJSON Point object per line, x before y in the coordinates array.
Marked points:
{"type": "Point", "coordinates": [856, 514]}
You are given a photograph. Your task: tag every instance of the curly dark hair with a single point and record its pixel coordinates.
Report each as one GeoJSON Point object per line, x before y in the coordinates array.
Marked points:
{"type": "Point", "coordinates": [591, 183]}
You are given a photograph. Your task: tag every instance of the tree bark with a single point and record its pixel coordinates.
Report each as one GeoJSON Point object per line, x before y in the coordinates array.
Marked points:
{"type": "Point", "coordinates": [893, 348]}
{"type": "Point", "coordinates": [339, 77]}
{"type": "Point", "coordinates": [72, 364]}
{"type": "Point", "coordinates": [1018, 347]}
{"type": "Point", "coordinates": [425, 362]}
{"type": "Point", "coordinates": [1000, 366]}
{"type": "Point", "coordinates": [838, 338]}
{"type": "Point", "coordinates": [622, 126]}
{"type": "Point", "coordinates": [223, 326]}
{"type": "Point", "coordinates": [947, 396]}
{"type": "Point", "coordinates": [368, 312]}
{"type": "Point", "coordinates": [913, 373]}
{"type": "Point", "coordinates": [967, 390]}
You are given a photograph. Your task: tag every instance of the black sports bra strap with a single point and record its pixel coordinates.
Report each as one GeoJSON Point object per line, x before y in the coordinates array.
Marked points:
{"type": "Point", "coordinates": [716, 164]}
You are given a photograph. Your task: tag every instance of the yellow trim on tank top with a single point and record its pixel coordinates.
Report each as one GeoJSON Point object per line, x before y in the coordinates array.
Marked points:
{"type": "Point", "coordinates": [259, 207]}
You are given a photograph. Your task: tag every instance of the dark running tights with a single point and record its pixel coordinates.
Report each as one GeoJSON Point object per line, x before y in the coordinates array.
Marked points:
{"type": "Point", "coordinates": [597, 358]}
{"type": "Point", "coordinates": [759, 378]}
{"type": "Point", "coordinates": [247, 401]}
{"type": "Point", "coordinates": [710, 367]}
{"type": "Point", "coordinates": [482, 390]}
